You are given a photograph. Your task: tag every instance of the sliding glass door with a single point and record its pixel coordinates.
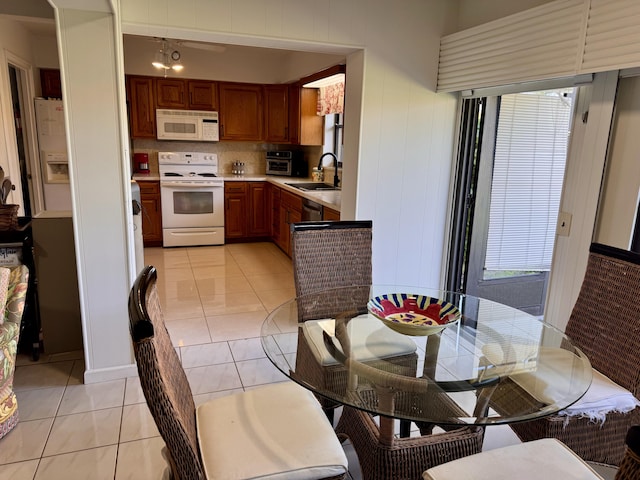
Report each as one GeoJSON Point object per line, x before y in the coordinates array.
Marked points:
{"type": "Point", "coordinates": [510, 174]}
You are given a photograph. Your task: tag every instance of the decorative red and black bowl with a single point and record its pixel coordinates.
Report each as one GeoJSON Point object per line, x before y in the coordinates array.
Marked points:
{"type": "Point", "coordinates": [411, 314]}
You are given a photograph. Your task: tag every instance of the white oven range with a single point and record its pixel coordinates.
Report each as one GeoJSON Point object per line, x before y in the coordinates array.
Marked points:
{"type": "Point", "coordinates": [192, 197]}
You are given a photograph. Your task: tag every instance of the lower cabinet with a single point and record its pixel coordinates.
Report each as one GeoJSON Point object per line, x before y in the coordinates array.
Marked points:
{"type": "Point", "coordinates": [235, 210]}
{"type": "Point", "coordinates": [151, 213]}
{"type": "Point", "coordinates": [263, 211]}
{"type": "Point", "coordinates": [329, 214]}
{"type": "Point", "coordinates": [290, 212]}
{"type": "Point", "coordinates": [258, 214]}
{"type": "Point", "coordinates": [246, 211]}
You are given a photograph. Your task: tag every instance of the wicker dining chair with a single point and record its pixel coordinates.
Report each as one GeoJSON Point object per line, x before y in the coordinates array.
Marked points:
{"type": "Point", "coordinates": [629, 468]}
{"type": "Point", "coordinates": [605, 325]}
{"type": "Point", "coordinates": [276, 431]}
{"type": "Point", "coordinates": [328, 255]}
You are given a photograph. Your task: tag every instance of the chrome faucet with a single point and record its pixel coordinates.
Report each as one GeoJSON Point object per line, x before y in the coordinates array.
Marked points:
{"type": "Point", "coordinates": [336, 180]}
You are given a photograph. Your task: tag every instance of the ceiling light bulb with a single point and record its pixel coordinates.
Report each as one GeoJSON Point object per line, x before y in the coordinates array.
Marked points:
{"type": "Point", "coordinates": [177, 67]}
{"type": "Point", "coordinates": [159, 60]}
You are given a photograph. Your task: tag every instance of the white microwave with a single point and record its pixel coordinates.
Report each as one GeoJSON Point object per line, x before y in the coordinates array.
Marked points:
{"type": "Point", "coordinates": [192, 125]}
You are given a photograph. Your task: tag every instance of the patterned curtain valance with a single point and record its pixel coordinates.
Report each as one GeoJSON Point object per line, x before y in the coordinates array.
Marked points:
{"type": "Point", "coordinates": [331, 99]}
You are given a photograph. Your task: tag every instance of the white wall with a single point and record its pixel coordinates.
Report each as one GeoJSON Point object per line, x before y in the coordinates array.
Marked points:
{"type": "Point", "coordinates": [93, 95]}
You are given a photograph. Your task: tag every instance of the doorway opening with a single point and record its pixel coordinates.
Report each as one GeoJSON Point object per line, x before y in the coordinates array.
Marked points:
{"type": "Point", "coordinates": [17, 79]}
{"type": "Point", "coordinates": [513, 151]}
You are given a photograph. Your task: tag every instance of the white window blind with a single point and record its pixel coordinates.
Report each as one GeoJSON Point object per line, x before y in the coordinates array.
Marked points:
{"type": "Point", "coordinates": [529, 165]}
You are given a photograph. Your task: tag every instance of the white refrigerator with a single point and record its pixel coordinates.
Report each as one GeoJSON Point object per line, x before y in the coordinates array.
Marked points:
{"type": "Point", "coordinates": [52, 144]}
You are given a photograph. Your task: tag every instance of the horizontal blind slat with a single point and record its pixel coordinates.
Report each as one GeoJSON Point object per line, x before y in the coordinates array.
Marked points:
{"type": "Point", "coordinates": [539, 43]}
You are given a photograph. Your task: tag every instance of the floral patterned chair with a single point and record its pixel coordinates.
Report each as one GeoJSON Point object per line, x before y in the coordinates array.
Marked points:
{"type": "Point", "coordinates": [13, 288]}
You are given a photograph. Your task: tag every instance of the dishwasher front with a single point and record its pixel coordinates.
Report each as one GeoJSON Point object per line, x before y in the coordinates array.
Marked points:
{"type": "Point", "coordinates": [311, 211]}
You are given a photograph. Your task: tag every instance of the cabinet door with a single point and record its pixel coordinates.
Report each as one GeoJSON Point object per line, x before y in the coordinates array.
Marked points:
{"type": "Point", "coordinates": [171, 93]}
{"type": "Point", "coordinates": [283, 238]}
{"type": "Point", "coordinates": [295, 216]}
{"type": "Point", "coordinates": [151, 214]}
{"type": "Point", "coordinates": [241, 115]}
{"type": "Point", "coordinates": [142, 107]}
{"type": "Point", "coordinates": [258, 210]}
{"type": "Point", "coordinates": [276, 113]}
{"type": "Point", "coordinates": [311, 130]}
{"type": "Point", "coordinates": [235, 215]}
{"type": "Point", "coordinates": [329, 214]}
{"type": "Point", "coordinates": [203, 95]}
{"type": "Point", "coordinates": [275, 214]}
{"type": "Point", "coordinates": [50, 83]}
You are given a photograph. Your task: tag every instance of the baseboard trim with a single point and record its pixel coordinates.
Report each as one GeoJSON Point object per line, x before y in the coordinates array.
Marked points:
{"type": "Point", "coordinates": [107, 374]}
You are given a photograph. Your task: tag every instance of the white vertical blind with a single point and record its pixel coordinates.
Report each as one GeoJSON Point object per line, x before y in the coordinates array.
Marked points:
{"type": "Point", "coordinates": [529, 165]}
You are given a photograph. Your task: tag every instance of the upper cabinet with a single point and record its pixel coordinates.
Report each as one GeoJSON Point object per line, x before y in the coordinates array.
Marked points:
{"type": "Point", "coordinates": [179, 93]}
{"type": "Point", "coordinates": [248, 112]}
{"type": "Point", "coordinates": [276, 113]}
{"type": "Point", "coordinates": [241, 111]}
{"type": "Point", "coordinates": [171, 93]}
{"type": "Point", "coordinates": [203, 95]}
{"type": "Point", "coordinates": [50, 83]}
{"type": "Point", "coordinates": [142, 109]}
{"type": "Point", "coordinates": [307, 127]}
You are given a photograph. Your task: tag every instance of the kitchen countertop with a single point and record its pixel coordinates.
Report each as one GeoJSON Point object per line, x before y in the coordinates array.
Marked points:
{"type": "Point", "coordinates": [330, 199]}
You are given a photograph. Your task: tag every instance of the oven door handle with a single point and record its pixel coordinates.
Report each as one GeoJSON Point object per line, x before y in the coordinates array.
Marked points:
{"type": "Point", "coordinates": [195, 184]}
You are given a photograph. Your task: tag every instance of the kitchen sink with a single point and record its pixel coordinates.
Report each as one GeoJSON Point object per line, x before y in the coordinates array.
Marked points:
{"type": "Point", "coordinates": [313, 186]}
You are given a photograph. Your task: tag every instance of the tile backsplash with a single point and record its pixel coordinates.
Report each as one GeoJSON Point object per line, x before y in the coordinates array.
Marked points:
{"type": "Point", "coordinates": [252, 154]}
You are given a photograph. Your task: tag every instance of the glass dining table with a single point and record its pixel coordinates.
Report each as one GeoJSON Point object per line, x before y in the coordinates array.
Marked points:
{"type": "Point", "coordinates": [342, 344]}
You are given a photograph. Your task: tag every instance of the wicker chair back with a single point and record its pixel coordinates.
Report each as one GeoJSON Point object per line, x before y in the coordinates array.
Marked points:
{"type": "Point", "coordinates": [329, 255]}
{"type": "Point", "coordinates": [163, 379]}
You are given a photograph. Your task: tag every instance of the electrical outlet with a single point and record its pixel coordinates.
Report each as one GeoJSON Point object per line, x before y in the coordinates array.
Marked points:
{"type": "Point", "coordinates": [564, 224]}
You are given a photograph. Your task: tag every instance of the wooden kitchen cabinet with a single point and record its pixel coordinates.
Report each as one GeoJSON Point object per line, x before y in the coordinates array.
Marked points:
{"type": "Point", "coordinates": [142, 106]}
{"type": "Point", "coordinates": [306, 127]}
{"type": "Point", "coordinates": [235, 210]}
{"type": "Point", "coordinates": [151, 213]}
{"type": "Point", "coordinates": [276, 113]}
{"type": "Point", "coordinates": [203, 95]}
{"type": "Point", "coordinates": [171, 93]}
{"type": "Point", "coordinates": [247, 215]}
{"type": "Point", "coordinates": [290, 212]}
{"type": "Point", "coordinates": [50, 83]}
{"type": "Point", "coordinates": [331, 215]}
{"type": "Point", "coordinates": [241, 111]}
{"type": "Point", "coordinates": [258, 214]}
{"type": "Point", "coordinates": [274, 203]}
{"type": "Point", "coordinates": [178, 93]}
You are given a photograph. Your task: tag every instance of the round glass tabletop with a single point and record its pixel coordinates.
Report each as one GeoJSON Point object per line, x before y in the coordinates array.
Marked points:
{"type": "Point", "coordinates": [488, 364]}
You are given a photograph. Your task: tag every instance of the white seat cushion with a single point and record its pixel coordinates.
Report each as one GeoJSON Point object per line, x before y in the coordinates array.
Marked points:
{"type": "Point", "coordinates": [277, 431]}
{"type": "Point", "coordinates": [372, 340]}
{"type": "Point", "coordinates": [546, 459]}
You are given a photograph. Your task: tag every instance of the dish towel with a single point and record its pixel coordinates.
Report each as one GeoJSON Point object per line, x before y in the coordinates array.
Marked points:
{"type": "Point", "coordinates": [604, 396]}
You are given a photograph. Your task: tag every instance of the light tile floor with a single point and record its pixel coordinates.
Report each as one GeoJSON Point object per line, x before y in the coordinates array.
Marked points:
{"type": "Point", "coordinates": [214, 300]}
